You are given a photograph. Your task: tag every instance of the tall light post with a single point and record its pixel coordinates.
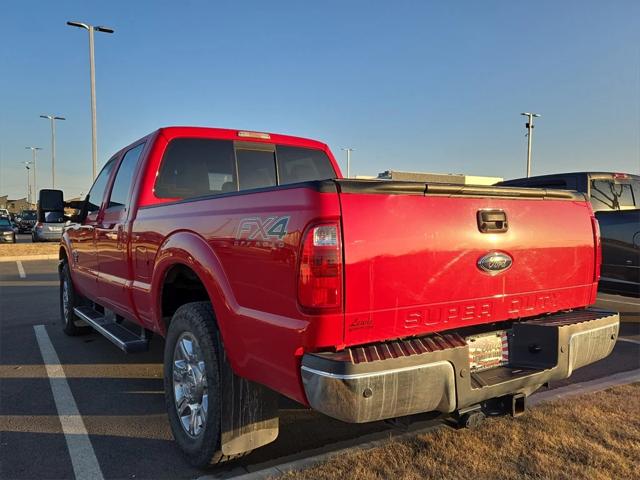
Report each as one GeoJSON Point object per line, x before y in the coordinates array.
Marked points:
{"type": "Point", "coordinates": [92, 74]}
{"type": "Point", "coordinates": [53, 119]}
{"type": "Point", "coordinates": [529, 127]}
{"type": "Point", "coordinates": [26, 165]}
{"type": "Point", "coordinates": [348, 150]}
{"type": "Point", "coordinates": [34, 154]}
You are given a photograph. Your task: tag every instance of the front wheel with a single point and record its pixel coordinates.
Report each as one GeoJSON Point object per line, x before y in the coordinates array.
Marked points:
{"type": "Point", "coordinates": [192, 383]}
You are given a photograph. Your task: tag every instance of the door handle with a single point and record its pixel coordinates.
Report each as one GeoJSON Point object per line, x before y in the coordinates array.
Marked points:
{"type": "Point", "coordinates": [492, 221]}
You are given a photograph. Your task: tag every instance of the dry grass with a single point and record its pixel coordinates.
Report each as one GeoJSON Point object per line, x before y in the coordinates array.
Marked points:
{"type": "Point", "coordinates": [595, 436]}
{"type": "Point", "coordinates": [23, 249]}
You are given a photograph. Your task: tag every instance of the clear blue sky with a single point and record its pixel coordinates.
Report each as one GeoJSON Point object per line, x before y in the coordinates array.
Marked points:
{"type": "Point", "coordinates": [428, 86]}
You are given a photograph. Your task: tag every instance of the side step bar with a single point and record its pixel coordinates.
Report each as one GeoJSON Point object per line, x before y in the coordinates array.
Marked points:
{"type": "Point", "coordinates": [119, 335]}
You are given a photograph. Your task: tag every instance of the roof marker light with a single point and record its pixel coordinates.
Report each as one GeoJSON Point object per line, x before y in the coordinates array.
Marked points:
{"type": "Point", "coordinates": [263, 136]}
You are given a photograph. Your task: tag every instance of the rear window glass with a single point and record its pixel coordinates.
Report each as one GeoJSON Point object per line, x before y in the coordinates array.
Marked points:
{"type": "Point", "coordinates": [194, 167]}
{"type": "Point", "coordinates": [256, 168]}
{"type": "Point", "coordinates": [53, 217]}
{"type": "Point", "coordinates": [303, 165]}
{"type": "Point", "coordinates": [610, 195]}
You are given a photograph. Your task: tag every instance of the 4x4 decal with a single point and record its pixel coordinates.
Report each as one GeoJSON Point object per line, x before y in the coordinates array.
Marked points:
{"type": "Point", "coordinates": [260, 231]}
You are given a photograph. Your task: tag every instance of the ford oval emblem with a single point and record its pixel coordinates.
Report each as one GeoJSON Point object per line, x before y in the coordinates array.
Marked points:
{"type": "Point", "coordinates": [495, 262]}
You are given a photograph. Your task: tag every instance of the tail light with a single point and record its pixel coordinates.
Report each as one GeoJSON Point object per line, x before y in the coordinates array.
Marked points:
{"type": "Point", "coordinates": [320, 276]}
{"type": "Point", "coordinates": [39, 226]}
{"type": "Point", "coordinates": [597, 243]}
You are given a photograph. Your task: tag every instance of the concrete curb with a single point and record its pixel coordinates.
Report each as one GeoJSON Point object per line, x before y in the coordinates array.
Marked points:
{"type": "Point", "coordinates": [592, 386]}
{"type": "Point", "coordinates": [15, 258]}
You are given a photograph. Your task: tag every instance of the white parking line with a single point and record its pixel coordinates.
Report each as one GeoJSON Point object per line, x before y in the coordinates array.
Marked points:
{"type": "Point", "coordinates": [83, 458]}
{"type": "Point", "coordinates": [629, 340]}
{"type": "Point", "coordinates": [21, 271]}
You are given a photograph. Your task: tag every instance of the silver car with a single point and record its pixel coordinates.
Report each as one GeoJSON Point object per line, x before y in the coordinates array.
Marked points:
{"type": "Point", "coordinates": [49, 230]}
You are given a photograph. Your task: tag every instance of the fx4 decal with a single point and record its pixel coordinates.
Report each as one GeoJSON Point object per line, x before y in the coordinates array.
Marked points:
{"type": "Point", "coordinates": [259, 231]}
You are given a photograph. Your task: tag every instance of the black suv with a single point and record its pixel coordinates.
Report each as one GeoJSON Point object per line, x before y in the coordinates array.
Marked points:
{"type": "Point", "coordinates": [615, 198]}
{"type": "Point", "coordinates": [27, 219]}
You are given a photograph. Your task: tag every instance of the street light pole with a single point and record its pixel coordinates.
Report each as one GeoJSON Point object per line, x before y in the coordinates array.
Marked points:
{"type": "Point", "coordinates": [348, 150]}
{"type": "Point", "coordinates": [26, 164]}
{"type": "Point", "coordinates": [53, 119]}
{"type": "Point", "coordinates": [529, 127]}
{"type": "Point", "coordinates": [34, 154]}
{"type": "Point", "coordinates": [92, 74]}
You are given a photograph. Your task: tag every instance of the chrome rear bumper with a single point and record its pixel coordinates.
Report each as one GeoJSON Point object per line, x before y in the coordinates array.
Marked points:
{"type": "Point", "coordinates": [392, 379]}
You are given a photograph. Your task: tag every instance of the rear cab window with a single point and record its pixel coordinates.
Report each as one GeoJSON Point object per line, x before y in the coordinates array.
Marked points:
{"type": "Point", "coordinates": [613, 194]}
{"type": "Point", "coordinates": [196, 167]}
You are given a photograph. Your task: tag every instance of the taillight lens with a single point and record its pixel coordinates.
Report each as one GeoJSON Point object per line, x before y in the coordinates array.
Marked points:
{"type": "Point", "coordinates": [320, 276]}
{"type": "Point", "coordinates": [39, 225]}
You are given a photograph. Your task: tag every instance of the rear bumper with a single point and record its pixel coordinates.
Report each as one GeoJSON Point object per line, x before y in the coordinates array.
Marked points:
{"type": "Point", "coordinates": [53, 236]}
{"type": "Point", "coordinates": [432, 373]}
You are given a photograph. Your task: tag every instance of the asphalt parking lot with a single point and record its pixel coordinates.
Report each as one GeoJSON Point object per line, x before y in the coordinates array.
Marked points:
{"type": "Point", "coordinates": [120, 399]}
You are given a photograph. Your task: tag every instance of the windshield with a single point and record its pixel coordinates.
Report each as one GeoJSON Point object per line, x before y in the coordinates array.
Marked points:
{"type": "Point", "coordinates": [4, 222]}
{"type": "Point", "coordinates": [28, 215]}
{"type": "Point", "coordinates": [610, 194]}
{"type": "Point", "coordinates": [53, 217]}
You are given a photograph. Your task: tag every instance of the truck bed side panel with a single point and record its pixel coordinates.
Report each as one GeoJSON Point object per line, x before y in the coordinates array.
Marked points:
{"type": "Point", "coordinates": [263, 329]}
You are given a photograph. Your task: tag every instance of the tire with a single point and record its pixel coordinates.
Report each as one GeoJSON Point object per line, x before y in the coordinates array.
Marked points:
{"type": "Point", "coordinates": [194, 323]}
{"type": "Point", "coordinates": [69, 319]}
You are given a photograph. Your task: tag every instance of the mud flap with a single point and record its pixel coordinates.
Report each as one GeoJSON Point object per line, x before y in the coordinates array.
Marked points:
{"type": "Point", "coordinates": [249, 417]}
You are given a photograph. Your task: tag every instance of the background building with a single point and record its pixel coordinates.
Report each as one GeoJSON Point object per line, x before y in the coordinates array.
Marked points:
{"type": "Point", "coordinates": [454, 178]}
{"type": "Point", "coordinates": [14, 206]}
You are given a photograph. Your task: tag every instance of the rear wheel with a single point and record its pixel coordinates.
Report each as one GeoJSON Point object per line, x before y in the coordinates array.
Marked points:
{"type": "Point", "coordinates": [68, 301]}
{"type": "Point", "coordinates": [192, 383]}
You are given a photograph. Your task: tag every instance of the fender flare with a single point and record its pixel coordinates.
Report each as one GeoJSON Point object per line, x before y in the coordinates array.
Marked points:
{"type": "Point", "coordinates": [191, 250]}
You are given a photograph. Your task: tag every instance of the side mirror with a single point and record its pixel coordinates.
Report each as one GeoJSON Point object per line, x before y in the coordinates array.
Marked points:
{"type": "Point", "coordinates": [50, 200]}
{"type": "Point", "coordinates": [80, 207]}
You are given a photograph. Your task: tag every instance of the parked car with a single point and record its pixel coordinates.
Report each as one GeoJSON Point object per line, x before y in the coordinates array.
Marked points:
{"type": "Point", "coordinates": [268, 273]}
{"type": "Point", "coordinates": [7, 232]}
{"type": "Point", "coordinates": [615, 198]}
{"type": "Point", "coordinates": [26, 221]}
{"type": "Point", "coordinates": [50, 228]}
{"type": "Point", "coordinates": [4, 213]}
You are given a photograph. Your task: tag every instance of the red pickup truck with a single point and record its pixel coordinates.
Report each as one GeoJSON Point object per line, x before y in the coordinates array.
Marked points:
{"type": "Point", "coordinates": [268, 273]}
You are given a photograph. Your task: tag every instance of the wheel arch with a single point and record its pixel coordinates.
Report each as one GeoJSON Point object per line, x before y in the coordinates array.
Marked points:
{"type": "Point", "coordinates": [187, 256]}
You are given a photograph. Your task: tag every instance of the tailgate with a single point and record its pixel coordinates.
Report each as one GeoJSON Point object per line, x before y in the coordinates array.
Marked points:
{"type": "Point", "coordinates": [417, 262]}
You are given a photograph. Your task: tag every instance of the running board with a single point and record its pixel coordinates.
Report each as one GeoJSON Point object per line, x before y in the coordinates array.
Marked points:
{"type": "Point", "coordinates": [119, 335]}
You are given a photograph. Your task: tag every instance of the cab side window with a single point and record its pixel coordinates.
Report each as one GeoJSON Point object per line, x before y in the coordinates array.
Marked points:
{"type": "Point", "coordinates": [124, 178]}
{"type": "Point", "coordinates": [96, 194]}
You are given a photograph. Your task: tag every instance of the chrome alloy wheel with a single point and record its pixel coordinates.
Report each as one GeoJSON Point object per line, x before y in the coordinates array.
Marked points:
{"type": "Point", "coordinates": [65, 299]}
{"type": "Point", "coordinates": [190, 384]}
